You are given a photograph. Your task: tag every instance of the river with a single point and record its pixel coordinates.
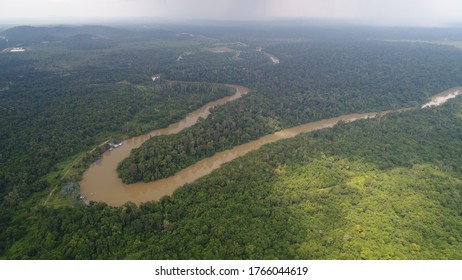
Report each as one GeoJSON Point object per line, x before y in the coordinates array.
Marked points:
{"type": "Point", "coordinates": [101, 183]}
{"type": "Point", "coordinates": [443, 97]}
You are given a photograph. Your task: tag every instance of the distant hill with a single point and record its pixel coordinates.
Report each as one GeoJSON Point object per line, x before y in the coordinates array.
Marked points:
{"type": "Point", "coordinates": [30, 34]}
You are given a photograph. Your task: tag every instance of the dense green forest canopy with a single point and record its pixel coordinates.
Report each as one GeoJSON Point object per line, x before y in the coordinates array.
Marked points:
{"type": "Point", "coordinates": [315, 80]}
{"type": "Point", "coordinates": [387, 188]}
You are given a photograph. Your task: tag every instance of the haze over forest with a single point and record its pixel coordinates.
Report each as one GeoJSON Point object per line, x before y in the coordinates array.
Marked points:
{"type": "Point", "coordinates": [434, 13]}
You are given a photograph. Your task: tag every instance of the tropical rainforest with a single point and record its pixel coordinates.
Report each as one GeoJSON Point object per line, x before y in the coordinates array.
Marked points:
{"type": "Point", "coordinates": [383, 188]}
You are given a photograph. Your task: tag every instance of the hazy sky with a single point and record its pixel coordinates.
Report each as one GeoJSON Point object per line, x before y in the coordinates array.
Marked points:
{"type": "Point", "coordinates": [381, 12]}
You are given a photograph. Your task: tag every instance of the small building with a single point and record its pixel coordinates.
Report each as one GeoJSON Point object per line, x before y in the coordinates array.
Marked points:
{"type": "Point", "coordinates": [113, 145]}
{"type": "Point", "coordinates": [13, 50]}
{"type": "Point", "coordinates": [155, 77]}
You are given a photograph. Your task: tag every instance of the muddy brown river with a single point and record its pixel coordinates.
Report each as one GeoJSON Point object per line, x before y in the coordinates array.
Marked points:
{"type": "Point", "coordinates": [101, 182]}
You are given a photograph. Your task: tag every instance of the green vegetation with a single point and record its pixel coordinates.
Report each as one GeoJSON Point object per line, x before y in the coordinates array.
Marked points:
{"type": "Point", "coordinates": [325, 195]}
{"type": "Point", "coordinates": [59, 103]}
{"type": "Point", "coordinates": [47, 124]}
{"type": "Point", "coordinates": [314, 81]}
{"type": "Point", "coordinates": [387, 188]}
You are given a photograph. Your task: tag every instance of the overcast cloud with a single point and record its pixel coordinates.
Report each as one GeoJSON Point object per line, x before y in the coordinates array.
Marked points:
{"type": "Point", "coordinates": [380, 12]}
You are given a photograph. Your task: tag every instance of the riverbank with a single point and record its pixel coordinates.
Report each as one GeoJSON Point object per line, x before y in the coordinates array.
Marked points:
{"type": "Point", "coordinates": [443, 97]}
{"type": "Point", "coordinates": [101, 182]}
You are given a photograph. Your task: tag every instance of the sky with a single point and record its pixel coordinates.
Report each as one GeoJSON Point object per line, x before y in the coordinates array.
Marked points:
{"type": "Point", "coordinates": [376, 12]}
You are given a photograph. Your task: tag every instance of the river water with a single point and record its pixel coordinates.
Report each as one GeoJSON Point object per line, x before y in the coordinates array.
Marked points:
{"type": "Point", "coordinates": [443, 97]}
{"type": "Point", "coordinates": [101, 182]}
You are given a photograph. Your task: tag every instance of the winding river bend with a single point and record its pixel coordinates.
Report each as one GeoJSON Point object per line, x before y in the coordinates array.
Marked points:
{"type": "Point", "coordinates": [101, 182]}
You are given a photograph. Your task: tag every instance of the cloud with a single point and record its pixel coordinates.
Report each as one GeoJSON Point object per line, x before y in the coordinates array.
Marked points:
{"type": "Point", "coordinates": [313, 8]}
{"type": "Point", "coordinates": [410, 12]}
{"type": "Point", "coordinates": [380, 12]}
{"type": "Point", "coordinates": [212, 9]}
